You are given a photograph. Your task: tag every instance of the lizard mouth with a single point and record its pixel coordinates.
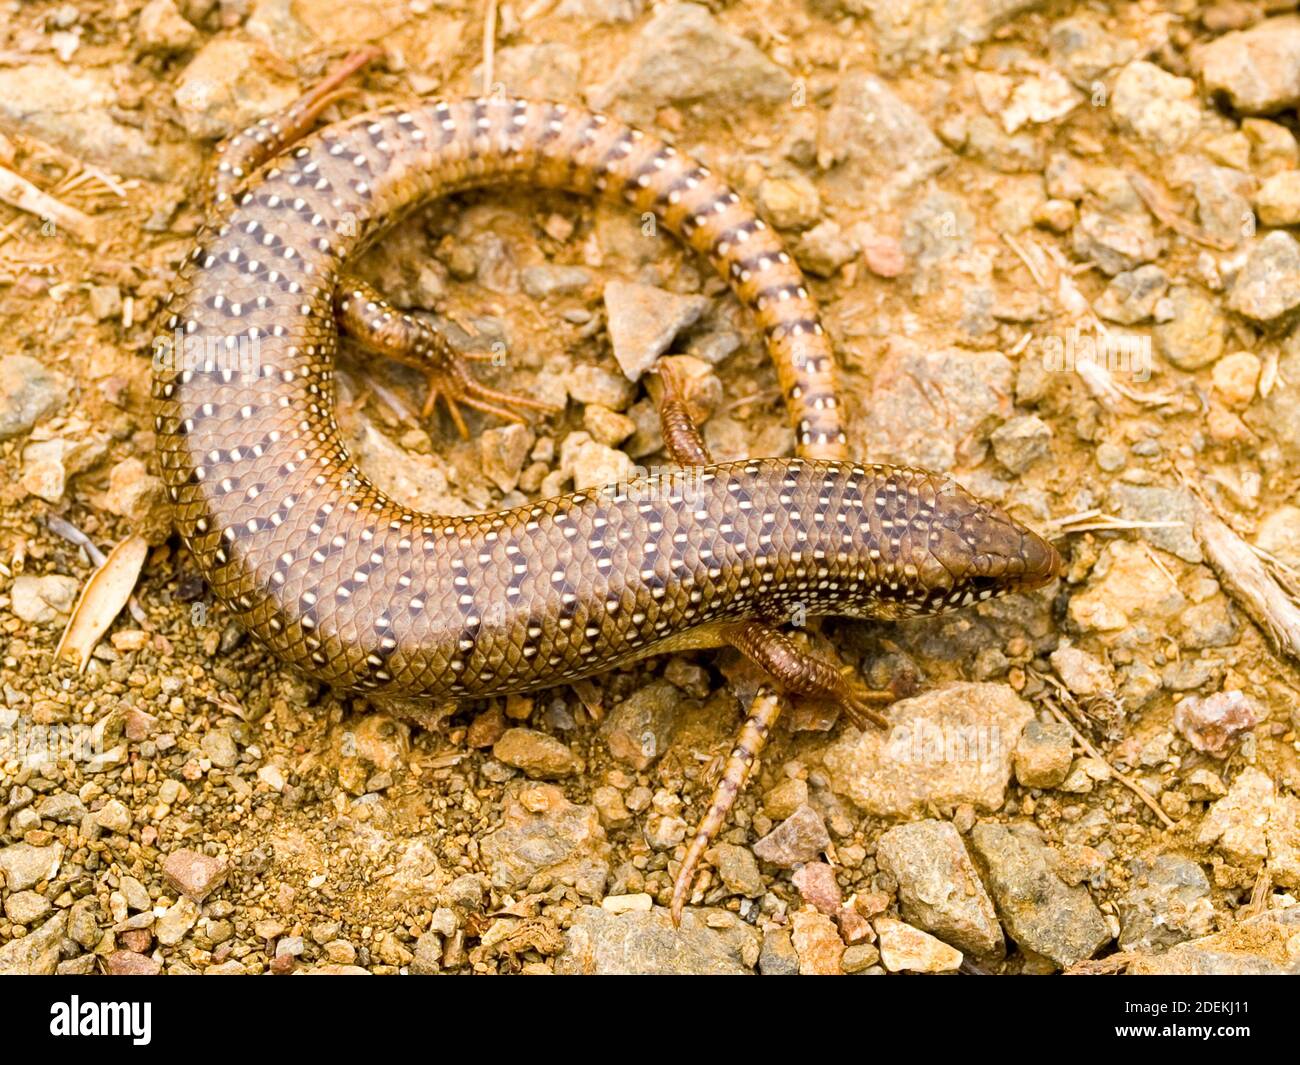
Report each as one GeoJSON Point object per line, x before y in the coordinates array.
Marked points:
{"type": "Point", "coordinates": [1041, 562]}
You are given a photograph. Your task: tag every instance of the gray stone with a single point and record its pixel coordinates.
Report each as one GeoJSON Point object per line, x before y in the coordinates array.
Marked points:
{"type": "Point", "coordinates": [1085, 51]}
{"type": "Point", "coordinates": [1021, 442]}
{"type": "Point", "coordinates": [1268, 288]}
{"type": "Point", "coordinates": [72, 107]}
{"type": "Point", "coordinates": [549, 70]}
{"type": "Point", "coordinates": [1132, 295]}
{"type": "Point", "coordinates": [1115, 243]}
{"type": "Point", "coordinates": [646, 943]}
{"type": "Point", "coordinates": [28, 390]}
{"type": "Point", "coordinates": [141, 498]}
{"type": "Point", "coordinates": [428, 955]}
{"type": "Point", "coordinates": [938, 887]}
{"type": "Point", "coordinates": [644, 321]}
{"type": "Point", "coordinates": [909, 29]}
{"type": "Point", "coordinates": [1157, 503]}
{"type": "Point", "coordinates": [1223, 197]}
{"type": "Point", "coordinates": [37, 953]}
{"type": "Point", "coordinates": [1039, 911]}
{"type": "Point", "coordinates": [799, 838]}
{"type": "Point", "coordinates": [24, 866]}
{"type": "Point", "coordinates": [551, 839]}
{"type": "Point", "coordinates": [737, 869]}
{"type": "Point", "coordinates": [537, 754]}
{"type": "Point", "coordinates": [825, 248]}
{"type": "Point", "coordinates": [1257, 946]}
{"type": "Point", "coordinates": [640, 728]}
{"type": "Point", "coordinates": [949, 746]}
{"type": "Point", "coordinates": [61, 808]}
{"type": "Point", "coordinates": [934, 409]}
{"type": "Point", "coordinates": [593, 384]}
{"type": "Point", "coordinates": [549, 279]}
{"type": "Point", "coordinates": [1158, 107]}
{"type": "Point", "coordinates": [44, 600]}
{"type": "Point", "coordinates": [1257, 69]}
{"type": "Point", "coordinates": [876, 146]}
{"type": "Point", "coordinates": [503, 450]}
{"type": "Point", "coordinates": [224, 88]}
{"type": "Point", "coordinates": [683, 55]}
{"type": "Point", "coordinates": [778, 956]}
{"type": "Point", "coordinates": [1081, 672]}
{"type": "Point", "coordinates": [1167, 904]}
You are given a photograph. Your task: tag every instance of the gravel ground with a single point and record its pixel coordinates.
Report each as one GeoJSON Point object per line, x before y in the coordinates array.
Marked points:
{"type": "Point", "coordinates": [1054, 245]}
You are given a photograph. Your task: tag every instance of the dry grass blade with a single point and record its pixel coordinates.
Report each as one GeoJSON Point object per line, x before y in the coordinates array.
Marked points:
{"type": "Point", "coordinates": [1098, 521]}
{"type": "Point", "coordinates": [17, 191]}
{"type": "Point", "coordinates": [62, 527]}
{"type": "Point", "coordinates": [1246, 578]}
{"type": "Point", "coordinates": [1168, 214]}
{"type": "Point", "coordinates": [102, 599]}
{"type": "Point", "coordinates": [1092, 751]}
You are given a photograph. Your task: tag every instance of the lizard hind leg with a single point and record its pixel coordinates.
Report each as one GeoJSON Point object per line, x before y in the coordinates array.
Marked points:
{"type": "Point", "coordinates": [377, 325]}
{"type": "Point", "coordinates": [750, 741]}
{"type": "Point", "coordinates": [682, 439]}
{"type": "Point", "coordinates": [360, 310]}
{"type": "Point", "coordinates": [805, 673]}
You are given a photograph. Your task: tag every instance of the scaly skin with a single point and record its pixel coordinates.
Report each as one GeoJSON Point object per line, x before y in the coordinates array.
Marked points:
{"type": "Point", "coordinates": [367, 594]}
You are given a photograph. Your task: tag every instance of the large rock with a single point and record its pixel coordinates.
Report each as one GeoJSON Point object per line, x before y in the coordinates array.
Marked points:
{"type": "Point", "coordinates": [938, 888]}
{"type": "Point", "coordinates": [72, 107]}
{"type": "Point", "coordinates": [646, 943]}
{"type": "Point", "coordinates": [639, 729]}
{"type": "Point", "coordinates": [1167, 903]}
{"type": "Point", "coordinates": [226, 87]}
{"type": "Point", "coordinates": [644, 320]}
{"type": "Point", "coordinates": [1257, 69]}
{"type": "Point", "coordinates": [935, 408]}
{"type": "Point", "coordinates": [28, 390]}
{"type": "Point", "coordinates": [683, 55]}
{"type": "Point", "coordinates": [24, 866]}
{"type": "Point", "coordinates": [543, 834]}
{"type": "Point", "coordinates": [1262, 945]}
{"type": "Point", "coordinates": [37, 953]}
{"type": "Point", "coordinates": [907, 949]}
{"type": "Point", "coordinates": [908, 29]}
{"type": "Point", "coordinates": [1253, 826]}
{"type": "Point", "coordinates": [882, 146]}
{"type": "Point", "coordinates": [1158, 107]}
{"type": "Point", "coordinates": [799, 838]}
{"type": "Point", "coordinates": [535, 753]}
{"type": "Point", "coordinates": [949, 746]}
{"type": "Point", "coordinates": [1268, 288]}
{"type": "Point", "coordinates": [1043, 914]}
